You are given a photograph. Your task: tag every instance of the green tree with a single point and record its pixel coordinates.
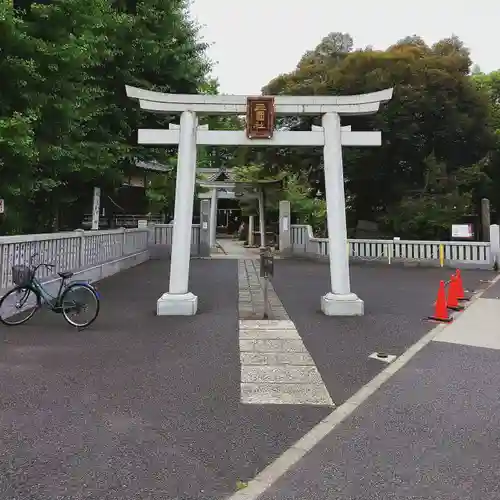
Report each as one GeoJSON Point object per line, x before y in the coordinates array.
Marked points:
{"type": "Point", "coordinates": [428, 212]}
{"type": "Point", "coordinates": [66, 124]}
{"type": "Point", "coordinates": [489, 84]}
{"type": "Point", "coordinates": [18, 116]}
{"type": "Point", "coordinates": [71, 40]}
{"type": "Point", "coordinates": [307, 206]}
{"type": "Point", "coordinates": [436, 110]}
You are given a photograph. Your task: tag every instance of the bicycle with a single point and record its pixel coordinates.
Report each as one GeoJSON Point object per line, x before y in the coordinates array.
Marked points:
{"type": "Point", "coordinates": [29, 295]}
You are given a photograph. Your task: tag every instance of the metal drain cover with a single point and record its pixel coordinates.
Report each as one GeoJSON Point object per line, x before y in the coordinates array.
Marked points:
{"type": "Point", "coordinates": [382, 356]}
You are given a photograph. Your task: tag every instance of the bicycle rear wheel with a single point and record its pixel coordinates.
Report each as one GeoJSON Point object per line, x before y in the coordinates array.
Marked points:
{"type": "Point", "coordinates": [19, 305]}
{"type": "Point", "coordinates": [80, 305]}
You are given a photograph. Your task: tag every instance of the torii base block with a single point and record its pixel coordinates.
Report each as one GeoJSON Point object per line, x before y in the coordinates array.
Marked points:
{"type": "Point", "coordinates": [333, 304]}
{"type": "Point", "coordinates": [182, 304]}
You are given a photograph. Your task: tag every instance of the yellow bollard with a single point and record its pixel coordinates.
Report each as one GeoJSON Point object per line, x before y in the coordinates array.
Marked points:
{"type": "Point", "coordinates": [441, 255]}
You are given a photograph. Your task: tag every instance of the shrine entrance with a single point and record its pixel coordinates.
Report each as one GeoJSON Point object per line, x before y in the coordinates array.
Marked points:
{"type": "Point", "coordinates": [225, 211]}
{"type": "Point", "coordinates": [260, 112]}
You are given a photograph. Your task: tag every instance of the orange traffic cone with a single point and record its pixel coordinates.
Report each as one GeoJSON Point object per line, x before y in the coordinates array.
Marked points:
{"type": "Point", "coordinates": [453, 295]}
{"type": "Point", "coordinates": [460, 286]}
{"type": "Point", "coordinates": [441, 311]}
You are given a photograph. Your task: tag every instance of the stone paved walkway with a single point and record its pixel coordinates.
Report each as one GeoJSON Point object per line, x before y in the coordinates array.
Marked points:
{"type": "Point", "coordinates": [276, 368]}
{"type": "Point", "coordinates": [251, 294]}
{"type": "Point", "coordinates": [227, 247]}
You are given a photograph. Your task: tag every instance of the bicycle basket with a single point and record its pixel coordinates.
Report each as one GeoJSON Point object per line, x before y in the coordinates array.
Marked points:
{"type": "Point", "coordinates": [21, 275]}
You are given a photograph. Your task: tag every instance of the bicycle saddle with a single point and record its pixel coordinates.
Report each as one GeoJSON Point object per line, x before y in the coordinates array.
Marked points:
{"type": "Point", "coordinates": [65, 274]}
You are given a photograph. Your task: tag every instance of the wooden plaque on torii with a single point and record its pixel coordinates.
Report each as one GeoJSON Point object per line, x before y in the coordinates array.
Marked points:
{"type": "Point", "coordinates": [260, 117]}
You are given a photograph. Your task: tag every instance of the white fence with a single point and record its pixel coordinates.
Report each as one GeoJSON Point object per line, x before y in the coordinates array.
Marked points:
{"type": "Point", "coordinates": [440, 253]}
{"type": "Point", "coordinates": [162, 235]}
{"type": "Point", "coordinates": [69, 251]}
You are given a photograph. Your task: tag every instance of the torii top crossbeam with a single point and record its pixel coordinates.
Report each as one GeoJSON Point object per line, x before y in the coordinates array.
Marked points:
{"type": "Point", "coordinates": [159, 102]}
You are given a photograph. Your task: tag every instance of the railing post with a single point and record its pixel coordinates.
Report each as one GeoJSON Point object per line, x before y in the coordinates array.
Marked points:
{"type": "Point", "coordinates": [151, 234]}
{"type": "Point", "coordinates": [123, 242]}
{"type": "Point", "coordinates": [495, 243]}
{"type": "Point", "coordinates": [81, 251]}
{"type": "Point", "coordinates": [285, 244]}
{"type": "Point", "coordinates": [441, 255]}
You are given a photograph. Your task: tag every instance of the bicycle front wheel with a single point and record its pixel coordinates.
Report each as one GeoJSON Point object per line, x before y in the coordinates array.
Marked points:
{"type": "Point", "coordinates": [80, 305]}
{"type": "Point", "coordinates": [19, 305]}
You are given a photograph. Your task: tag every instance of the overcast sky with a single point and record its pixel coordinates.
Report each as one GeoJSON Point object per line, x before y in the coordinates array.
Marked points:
{"type": "Point", "coordinates": [255, 40]}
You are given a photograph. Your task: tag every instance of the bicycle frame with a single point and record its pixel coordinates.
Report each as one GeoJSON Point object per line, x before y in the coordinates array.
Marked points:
{"type": "Point", "coordinates": [46, 296]}
{"type": "Point", "coordinates": [53, 301]}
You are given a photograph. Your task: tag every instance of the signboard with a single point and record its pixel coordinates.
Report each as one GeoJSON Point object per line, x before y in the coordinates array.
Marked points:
{"type": "Point", "coordinates": [260, 117]}
{"type": "Point", "coordinates": [462, 231]}
{"type": "Point", "coordinates": [142, 223]}
{"type": "Point", "coordinates": [2, 206]}
{"type": "Point", "coordinates": [96, 208]}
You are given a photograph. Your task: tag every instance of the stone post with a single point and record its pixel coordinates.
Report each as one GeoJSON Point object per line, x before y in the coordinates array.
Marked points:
{"type": "Point", "coordinates": [495, 243]}
{"type": "Point", "coordinates": [213, 218]}
{"type": "Point", "coordinates": [205, 228]}
{"type": "Point", "coordinates": [285, 238]}
{"type": "Point", "coordinates": [262, 218]}
{"type": "Point", "coordinates": [251, 230]}
{"type": "Point", "coordinates": [340, 301]}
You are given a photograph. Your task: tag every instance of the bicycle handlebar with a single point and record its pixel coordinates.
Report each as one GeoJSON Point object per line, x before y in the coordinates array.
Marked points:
{"type": "Point", "coordinates": [48, 266]}
{"type": "Point", "coordinates": [43, 264]}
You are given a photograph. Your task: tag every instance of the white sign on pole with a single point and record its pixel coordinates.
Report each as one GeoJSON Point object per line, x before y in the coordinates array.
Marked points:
{"type": "Point", "coordinates": [2, 206]}
{"type": "Point", "coordinates": [462, 231]}
{"type": "Point", "coordinates": [96, 208]}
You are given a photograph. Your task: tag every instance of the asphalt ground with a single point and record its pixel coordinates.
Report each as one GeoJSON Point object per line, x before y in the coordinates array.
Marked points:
{"type": "Point", "coordinates": [430, 432]}
{"type": "Point", "coordinates": [145, 407]}
{"type": "Point", "coordinates": [137, 406]}
{"type": "Point", "coordinates": [397, 299]}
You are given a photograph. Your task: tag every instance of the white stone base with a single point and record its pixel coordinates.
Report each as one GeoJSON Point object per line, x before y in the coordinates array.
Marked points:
{"type": "Point", "coordinates": [185, 304]}
{"type": "Point", "coordinates": [342, 305]}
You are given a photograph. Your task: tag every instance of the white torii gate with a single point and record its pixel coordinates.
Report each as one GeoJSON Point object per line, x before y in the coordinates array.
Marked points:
{"type": "Point", "coordinates": [178, 300]}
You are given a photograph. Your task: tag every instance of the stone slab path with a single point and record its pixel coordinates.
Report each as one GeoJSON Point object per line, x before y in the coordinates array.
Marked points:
{"type": "Point", "coordinates": [251, 294]}
{"type": "Point", "coordinates": [276, 367]}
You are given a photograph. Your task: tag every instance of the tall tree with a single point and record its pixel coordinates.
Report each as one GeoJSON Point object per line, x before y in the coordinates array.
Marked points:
{"type": "Point", "coordinates": [436, 110]}
{"type": "Point", "coordinates": [75, 126]}
{"type": "Point", "coordinates": [489, 84]}
{"type": "Point", "coordinates": [18, 116]}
